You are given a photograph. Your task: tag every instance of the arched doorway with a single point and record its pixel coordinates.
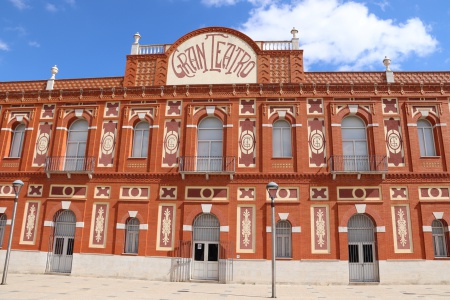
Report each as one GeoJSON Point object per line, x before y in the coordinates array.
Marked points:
{"type": "Point", "coordinates": [62, 241]}
{"type": "Point", "coordinates": [362, 257]}
{"type": "Point", "coordinates": [206, 237]}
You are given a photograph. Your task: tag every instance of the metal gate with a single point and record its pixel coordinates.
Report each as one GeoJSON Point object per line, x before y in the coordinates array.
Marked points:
{"type": "Point", "coordinates": [59, 258]}
{"type": "Point", "coordinates": [363, 264]}
{"type": "Point", "coordinates": [206, 237]}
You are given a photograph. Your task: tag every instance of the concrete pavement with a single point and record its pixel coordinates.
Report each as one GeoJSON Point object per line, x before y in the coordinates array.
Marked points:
{"type": "Point", "coordinates": [31, 286]}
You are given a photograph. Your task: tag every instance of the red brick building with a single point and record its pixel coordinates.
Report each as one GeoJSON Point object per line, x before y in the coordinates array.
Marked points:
{"type": "Point", "coordinates": [162, 173]}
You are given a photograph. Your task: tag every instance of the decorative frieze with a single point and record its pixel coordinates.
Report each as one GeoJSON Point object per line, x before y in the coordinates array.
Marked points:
{"type": "Point", "coordinates": [286, 194]}
{"type": "Point", "coordinates": [399, 192]}
{"type": "Point", "coordinates": [434, 193]}
{"type": "Point", "coordinates": [30, 222]}
{"type": "Point", "coordinates": [166, 227]}
{"type": "Point", "coordinates": [102, 192]}
{"type": "Point", "coordinates": [318, 193]}
{"type": "Point", "coordinates": [320, 229]}
{"type": "Point", "coordinates": [246, 193]}
{"type": "Point", "coordinates": [247, 143]}
{"type": "Point", "coordinates": [99, 225]}
{"type": "Point", "coordinates": [359, 193]}
{"type": "Point", "coordinates": [35, 190]}
{"type": "Point", "coordinates": [401, 222]}
{"type": "Point", "coordinates": [134, 192]}
{"type": "Point", "coordinates": [206, 193]}
{"type": "Point", "coordinates": [245, 232]}
{"type": "Point", "coordinates": [68, 191]}
{"type": "Point", "coordinates": [168, 192]}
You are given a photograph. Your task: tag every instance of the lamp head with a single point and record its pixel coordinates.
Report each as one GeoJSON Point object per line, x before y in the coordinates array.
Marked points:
{"type": "Point", "coordinates": [272, 189]}
{"type": "Point", "coordinates": [17, 186]}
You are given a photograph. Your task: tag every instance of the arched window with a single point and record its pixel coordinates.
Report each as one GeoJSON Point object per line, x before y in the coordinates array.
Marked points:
{"type": "Point", "coordinates": [76, 145]}
{"type": "Point", "coordinates": [281, 139]}
{"type": "Point", "coordinates": [210, 145]}
{"type": "Point", "coordinates": [2, 228]}
{"type": "Point", "coordinates": [140, 140]}
{"type": "Point", "coordinates": [426, 138]}
{"type": "Point", "coordinates": [439, 239]}
{"type": "Point", "coordinates": [132, 235]}
{"type": "Point", "coordinates": [284, 239]}
{"type": "Point", "coordinates": [17, 141]}
{"type": "Point", "coordinates": [354, 144]}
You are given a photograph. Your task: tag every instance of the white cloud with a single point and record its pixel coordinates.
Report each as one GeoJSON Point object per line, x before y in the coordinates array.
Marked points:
{"type": "Point", "coordinates": [20, 30]}
{"type": "Point", "coordinates": [70, 2]}
{"type": "Point", "coordinates": [20, 4]}
{"type": "Point", "coordinates": [343, 34]}
{"type": "Point", "coordinates": [34, 44]}
{"type": "Point", "coordinates": [51, 7]}
{"type": "Point", "coordinates": [4, 46]}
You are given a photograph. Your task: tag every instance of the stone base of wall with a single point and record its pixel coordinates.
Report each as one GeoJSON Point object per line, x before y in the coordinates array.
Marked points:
{"type": "Point", "coordinates": [320, 272]}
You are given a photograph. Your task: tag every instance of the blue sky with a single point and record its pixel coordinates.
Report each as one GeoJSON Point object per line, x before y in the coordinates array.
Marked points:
{"type": "Point", "coordinates": [92, 38]}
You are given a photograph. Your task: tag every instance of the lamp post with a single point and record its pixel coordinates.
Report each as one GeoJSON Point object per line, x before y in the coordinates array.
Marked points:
{"type": "Point", "coordinates": [17, 186]}
{"type": "Point", "coordinates": [272, 189]}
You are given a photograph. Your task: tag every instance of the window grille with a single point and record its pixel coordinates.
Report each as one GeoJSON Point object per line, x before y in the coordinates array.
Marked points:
{"type": "Point", "coordinates": [439, 239]}
{"type": "Point", "coordinates": [132, 235]}
{"type": "Point", "coordinates": [284, 239]}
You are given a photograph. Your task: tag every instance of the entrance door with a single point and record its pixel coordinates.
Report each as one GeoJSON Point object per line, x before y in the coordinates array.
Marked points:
{"type": "Point", "coordinates": [206, 248]}
{"type": "Point", "coordinates": [60, 259]}
{"type": "Point", "coordinates": [362, 250]}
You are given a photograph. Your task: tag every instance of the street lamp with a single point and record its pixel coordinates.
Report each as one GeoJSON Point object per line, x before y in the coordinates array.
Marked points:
{"type": "Point", "coordinates": [272, 189]}
{"type": "Point", "coordinates": [17, 186]}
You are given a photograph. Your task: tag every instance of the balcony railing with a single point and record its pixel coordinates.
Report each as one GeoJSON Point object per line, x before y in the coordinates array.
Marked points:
{"type": "Point", "coordinates": [358, 164]}
{"type": "Point", "coordinates": [70, 165]}
{"type": "Point", "coordinates": [207, 165]}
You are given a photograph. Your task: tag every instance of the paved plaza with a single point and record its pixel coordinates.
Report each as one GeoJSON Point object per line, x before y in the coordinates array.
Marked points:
{"type": "Point", "coordinates": [27, 286]}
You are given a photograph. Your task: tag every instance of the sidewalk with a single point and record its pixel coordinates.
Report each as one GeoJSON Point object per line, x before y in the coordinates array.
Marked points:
{"type": "Point", "coordinates": [26, 286]}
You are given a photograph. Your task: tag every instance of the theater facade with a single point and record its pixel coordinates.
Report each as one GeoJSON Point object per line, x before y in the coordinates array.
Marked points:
{"type": "Point", "coordinates": [161, 173]}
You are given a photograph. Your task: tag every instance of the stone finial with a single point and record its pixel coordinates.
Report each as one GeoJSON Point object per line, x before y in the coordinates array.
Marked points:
{"type": "Point", "coordinates": [295, 44]}
{"type": "Point", "coordinates": [137, 36]}
{"type": "Point", "coordinates": [51, 80]}
{"type": "Point", "coordinates": [54, 71]}
{"type": "Point", "coordinates": [135, 45]}
{"type": "Point", "coordinates": [386, 63]}
{"type": "Point", "coordinates": [294, 32]}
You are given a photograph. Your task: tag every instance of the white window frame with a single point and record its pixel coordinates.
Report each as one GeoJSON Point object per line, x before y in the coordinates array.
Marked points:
{"type": "Point", "coordinates": [426, 133]}
{"type": "Point", "coordinates": [141, 136]}
{"type": "Point", "coordinates": [18, 136]}
{"type": "Point", "coordinates": [439, 238]}
{"type": "Point", "coordinates": [210, 145]}
{"type": "Point", "coordinates": [283, 239]}
{"type": "Point", "coordinates": [281, 139]}
{"type": "Point", "coordinates": [132, 235]}
{"type": "Point", "coordinates": [358, 158]}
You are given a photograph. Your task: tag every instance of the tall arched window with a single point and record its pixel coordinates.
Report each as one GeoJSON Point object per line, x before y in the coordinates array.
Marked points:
{"type": "Point", "coordinates": [210, 145]}
{"type": "Point", "coordinates": [76, 145]}
{"type": "Point", "coordinates": [284, 239]}
{"type": "Point", "coordinates": [439, 238]}
{"type": "Point", "coordinates": [132, 235]}
{"type": "Point", "coordinates": [281, 139]}
{"type": "Point", "coordinates": [354, 144]}
{"type": "Point", "coordinates": [17, 141]}
{"type": "Point", "coordinates": [426, 138]}
{"type": "Point", "coordinates": [140, 140]}
{"type": "Point", "coordinates": [2, 228]}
